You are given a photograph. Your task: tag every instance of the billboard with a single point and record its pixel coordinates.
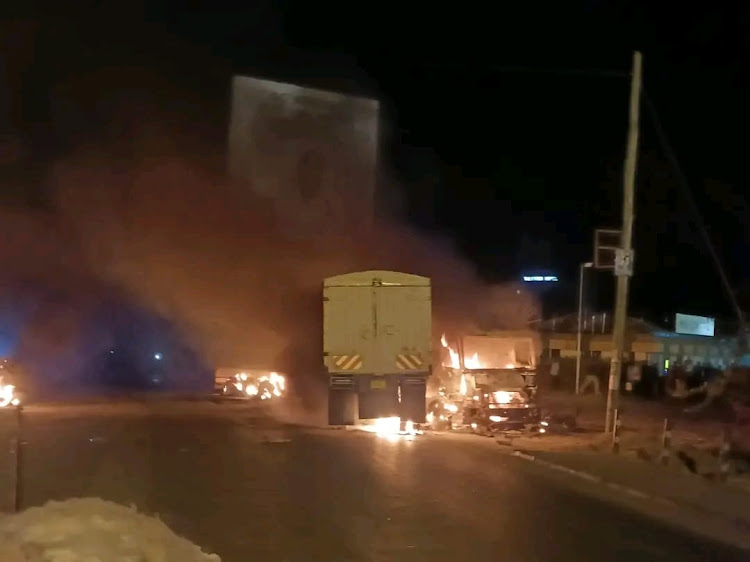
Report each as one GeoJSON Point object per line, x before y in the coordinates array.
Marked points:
{"type": "Point", "coordinates": [312, 152]}
{"type": "Point", "coordinates": [694, 325]}
{"type": "Point", "coordinates": [540, 278]}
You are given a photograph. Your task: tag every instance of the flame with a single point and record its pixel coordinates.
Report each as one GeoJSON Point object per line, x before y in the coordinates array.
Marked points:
{"type": "Point", "coordinates": [506, 397]}
{"type": "Point", "coordinates": [391, 428]}
{"type": "Point", "coordinates": [503, 397]}
{"type": "Point", "coordinates": [387, 426]}
{"type": "Point", "coordinates": [455, 360]}
{"type": "Point", "coordinates": [8, 396]}
{"type": "Point", "coordinates": [472, 362]}
{"type": "Point", "coordinates": [275, 387]}
{"type": "Point", "coordinates": [278, 385]}
{"type": "Point", "coordinates": [463, 389]}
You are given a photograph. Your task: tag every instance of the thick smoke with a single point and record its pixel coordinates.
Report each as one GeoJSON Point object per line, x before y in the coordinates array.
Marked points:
{"type": "Point", "coordinates": [223, 267]}
{"type": "Point", "coordinates": [184, 243]}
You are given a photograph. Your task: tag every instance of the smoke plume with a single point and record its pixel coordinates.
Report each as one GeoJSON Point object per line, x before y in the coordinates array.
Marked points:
{"type": "Point", "coordinates": [223, 268]}
{"type": "Point", "coordinates": [169, 236]}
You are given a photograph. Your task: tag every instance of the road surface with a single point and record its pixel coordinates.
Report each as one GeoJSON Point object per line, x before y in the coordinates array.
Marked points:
{"type": "Point", "coordinates": [248, 488]}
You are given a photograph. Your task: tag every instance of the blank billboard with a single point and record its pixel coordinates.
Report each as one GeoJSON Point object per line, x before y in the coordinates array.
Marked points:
{"type": "Point", "coordinates": [694, 325]}
{"type": "Point", "coordinates": [313, 152]}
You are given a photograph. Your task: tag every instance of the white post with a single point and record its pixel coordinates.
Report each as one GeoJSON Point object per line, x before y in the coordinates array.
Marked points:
{"type": "Point", "coordinates": [580, 320]}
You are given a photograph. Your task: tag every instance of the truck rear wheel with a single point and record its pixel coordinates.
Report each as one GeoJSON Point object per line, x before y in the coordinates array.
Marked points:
{"type": "Point", "coordinates": [342, 407]}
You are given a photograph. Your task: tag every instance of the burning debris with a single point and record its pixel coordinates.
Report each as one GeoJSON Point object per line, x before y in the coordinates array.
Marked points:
{"type": "Point", "coordinates": [392, 428]}
{"type": "Point", "coordinates": [9, 395]}
{"type": "Point", "coordinates": [252, 385]}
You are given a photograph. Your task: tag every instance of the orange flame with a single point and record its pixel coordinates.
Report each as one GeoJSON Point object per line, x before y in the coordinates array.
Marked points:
{"type": "Point", "coordinates": [471, 362]}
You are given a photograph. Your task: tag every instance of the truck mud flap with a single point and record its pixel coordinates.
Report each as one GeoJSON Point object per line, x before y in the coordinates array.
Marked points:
{"type": "Point", "coordinates": [414, 398]}
{"type": "Point", "coordinates": [378, 396]}
{"type": "Point", "coordinates": [342, 401]}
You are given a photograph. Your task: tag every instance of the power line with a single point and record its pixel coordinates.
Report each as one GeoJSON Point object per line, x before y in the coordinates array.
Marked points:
{"type": "Point", "coordinates": [593, 72]}
{"type": "Point", "coordinates": [700, 223]}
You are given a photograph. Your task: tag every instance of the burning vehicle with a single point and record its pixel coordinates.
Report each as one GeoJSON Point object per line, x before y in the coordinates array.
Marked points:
{"type": "Point", "coordinates": [377, 347]}
{"type": "Point", "coordinates": [250, 384]}
{"type": "Point", "coordinates": [10, 394]}
{"type": "Point", "coordinates": [486, 384]}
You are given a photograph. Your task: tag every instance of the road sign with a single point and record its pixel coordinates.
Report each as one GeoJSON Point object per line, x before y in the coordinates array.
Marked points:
{"type": "Point", "coordinates": [623, 263]}
{"type": "Point", "coordinates": [606, 242]}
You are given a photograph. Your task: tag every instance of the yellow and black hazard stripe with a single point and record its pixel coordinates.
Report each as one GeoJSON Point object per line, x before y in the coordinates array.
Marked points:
{"type": "Point", "coordinates": [409, 361]}
{"type": "Point", "coordinates": [347, 362]}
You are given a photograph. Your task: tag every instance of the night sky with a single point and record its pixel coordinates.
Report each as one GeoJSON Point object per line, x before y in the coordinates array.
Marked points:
{"type": "Point", "coordinates": [504, 127]}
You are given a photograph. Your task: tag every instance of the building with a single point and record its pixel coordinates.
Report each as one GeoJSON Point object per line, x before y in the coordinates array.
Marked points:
{"type": "Point", "coordinates": [645, 342]}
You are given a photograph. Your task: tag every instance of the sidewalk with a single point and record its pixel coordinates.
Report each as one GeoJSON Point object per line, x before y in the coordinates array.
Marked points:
{"type": "Point", "coordinates": [720, 511]}
{"type": "Point", "coordinates": [636, 471]}
{"type": "Point", "coordinates": [655, 481]}
{"type": "Point", "coordinates": [642, 429]}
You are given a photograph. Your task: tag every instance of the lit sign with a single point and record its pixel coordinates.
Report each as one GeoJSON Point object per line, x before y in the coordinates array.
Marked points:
{"type": "Point", "coordinates": [540, 278]}
{"type": "Point", "coordinates": [694, 325]}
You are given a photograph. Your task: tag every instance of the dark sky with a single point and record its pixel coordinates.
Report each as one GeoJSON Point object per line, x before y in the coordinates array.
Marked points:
{"type": "Point", "coordinates": [504, 125]}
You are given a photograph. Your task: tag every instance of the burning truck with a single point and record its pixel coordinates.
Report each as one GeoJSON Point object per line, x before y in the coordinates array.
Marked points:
{"type": "Point", "coordinates": [377, 348]}
{"type": "Point", "coordinates": [250, 384]}
{"type": "Point", "coordinates": [486, 383]}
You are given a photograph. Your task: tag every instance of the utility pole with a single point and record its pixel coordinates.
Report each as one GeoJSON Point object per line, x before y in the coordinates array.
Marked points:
{"type": "Point", "coordinates": [583, 268]}
{"type": "Point", "coordinates": [624, 255]}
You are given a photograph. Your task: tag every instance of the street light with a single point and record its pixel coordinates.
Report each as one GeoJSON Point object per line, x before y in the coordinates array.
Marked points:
{"type": "Point", "coordinates": [586, 265]}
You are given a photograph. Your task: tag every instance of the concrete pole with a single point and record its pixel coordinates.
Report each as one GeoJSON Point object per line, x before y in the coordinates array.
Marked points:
{"type": "Point", "coordinates": [580, 320]}
{"type": "Point", "coordinates": [626, 243]}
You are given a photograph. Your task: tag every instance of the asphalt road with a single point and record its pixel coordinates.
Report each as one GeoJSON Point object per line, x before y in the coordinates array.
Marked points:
{"type": "Point", "coordinates": [249, 488]}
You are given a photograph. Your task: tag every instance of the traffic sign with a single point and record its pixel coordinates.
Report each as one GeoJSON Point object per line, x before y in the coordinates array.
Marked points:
{"type": "Point", "coordinates": [606, 242]}
{"type": "Point", "coordinates": [623, 263]}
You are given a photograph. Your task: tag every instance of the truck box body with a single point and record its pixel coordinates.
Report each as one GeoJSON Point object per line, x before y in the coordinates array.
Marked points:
{"type": "Point", "coordinates": [377, 331]}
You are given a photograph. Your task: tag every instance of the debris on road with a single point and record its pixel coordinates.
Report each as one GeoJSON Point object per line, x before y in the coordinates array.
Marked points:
{"type": "Point", "coordinates": [92, 529]}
